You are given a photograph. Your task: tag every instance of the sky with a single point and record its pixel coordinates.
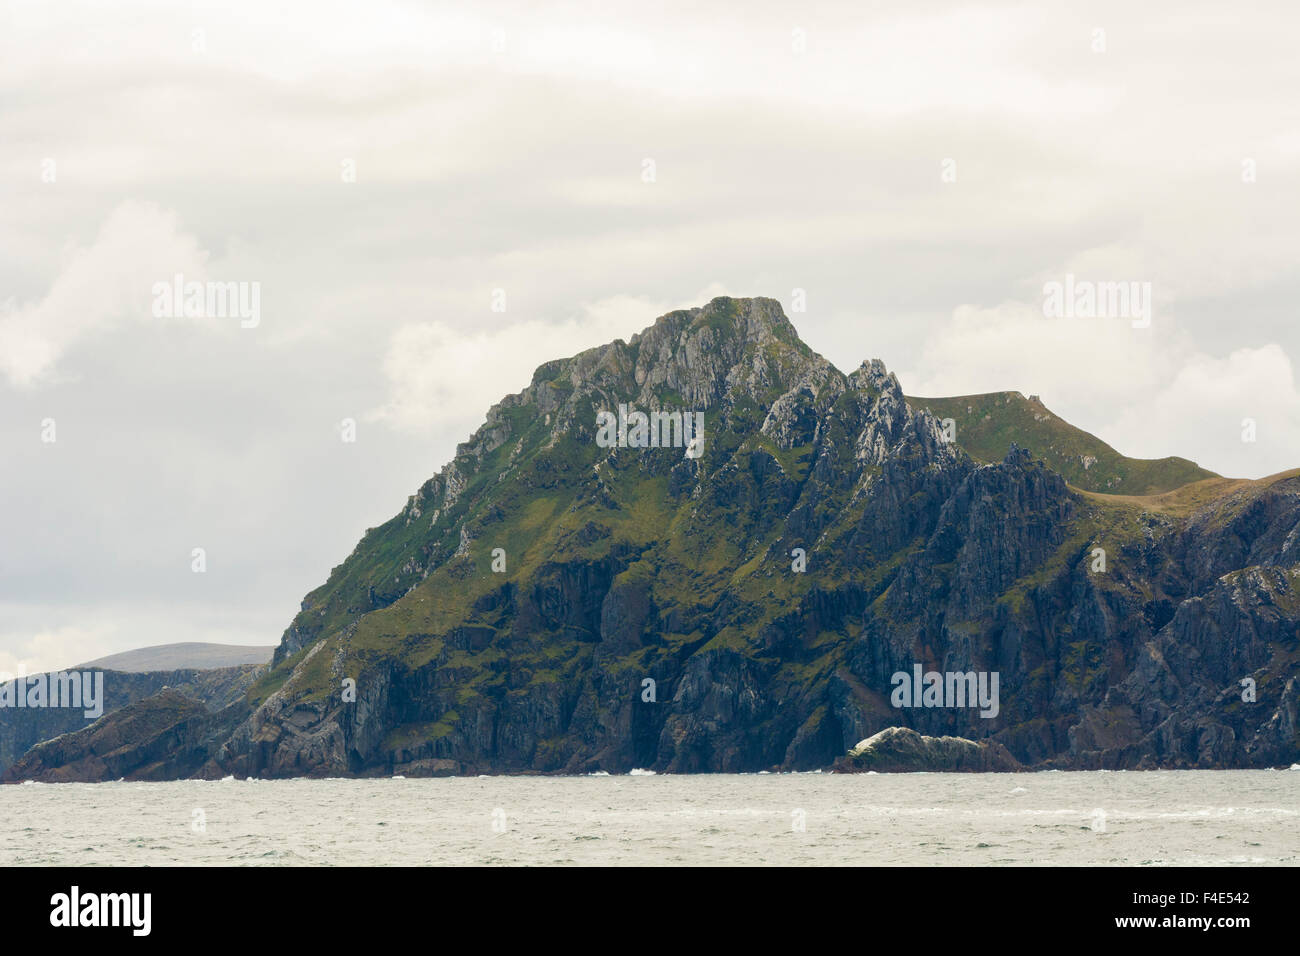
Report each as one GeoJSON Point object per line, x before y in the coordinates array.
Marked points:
{"type": "Point", "coordinates": [433, 199]}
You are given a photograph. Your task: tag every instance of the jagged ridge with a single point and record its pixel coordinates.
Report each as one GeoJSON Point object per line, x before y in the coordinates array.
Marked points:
{"type": "Point", "coordinates": [631, 564]}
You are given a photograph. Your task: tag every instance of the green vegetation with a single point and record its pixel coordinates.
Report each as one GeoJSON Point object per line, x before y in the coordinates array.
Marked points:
{"type": "Point", "coordinates": [626, 562]}
{"type": "Point", "coordinates": [987, 426]}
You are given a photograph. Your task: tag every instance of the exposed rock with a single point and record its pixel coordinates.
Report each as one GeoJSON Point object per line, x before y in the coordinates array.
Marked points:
{"type": "Point", "coordinates": [23, 728]}
{"type": "Point", "coordinates": [749, 608]}
{"type": "Point", "coordinates": [163, 737]}
{"type": "Point", "coordinates": [901, 749]}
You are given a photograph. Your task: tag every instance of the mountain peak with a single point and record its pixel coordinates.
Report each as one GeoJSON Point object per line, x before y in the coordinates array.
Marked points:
{"type": "Point", "coordinates": [826, 535]}
{"type": "Point", "coordinates": [755, 320]}
{"type": "Point", "coordinates": [874, 376]}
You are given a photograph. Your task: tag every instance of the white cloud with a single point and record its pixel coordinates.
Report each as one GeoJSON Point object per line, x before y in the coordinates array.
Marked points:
{"type": "Point", "coordinates": [443, 374]}
{"type": "Point", "coordinates": [53, 648]}
{"type": "Point", "coordinates": [1199, 414]}
{"type": "Point", "coordinates": [99, 285]}
{"type": "Point", "coordinates": [1105, 362]}
{"type": "Point", "coordinates": [38, 638]}
{"type": "Point", "coordinates": [1148, 392]}
{"type": "Point", "coordinates": [518, 165]}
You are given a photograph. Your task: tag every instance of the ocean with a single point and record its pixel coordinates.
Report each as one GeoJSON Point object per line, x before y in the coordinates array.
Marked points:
{"type": "Point", "coordinates": [1155, 818]}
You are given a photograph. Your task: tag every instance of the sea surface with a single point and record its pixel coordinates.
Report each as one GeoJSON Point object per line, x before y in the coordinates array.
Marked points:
{"type": "Point", "coordinates": [1096, 818]}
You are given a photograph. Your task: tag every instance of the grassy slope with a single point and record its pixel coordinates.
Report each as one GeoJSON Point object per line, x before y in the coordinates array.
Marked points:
{"type": "Point", "coordinates": [988, 424]}
{"type": "Point", "coordinates": [1182, 501]}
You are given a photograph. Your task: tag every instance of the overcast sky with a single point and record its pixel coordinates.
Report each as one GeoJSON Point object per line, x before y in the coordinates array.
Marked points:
{"type": "Point", "coordinates": [505, 147]}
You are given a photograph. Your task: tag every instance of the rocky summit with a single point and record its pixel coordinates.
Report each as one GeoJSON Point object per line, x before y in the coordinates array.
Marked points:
{"type": "Point", "coordinates": [826, 561]}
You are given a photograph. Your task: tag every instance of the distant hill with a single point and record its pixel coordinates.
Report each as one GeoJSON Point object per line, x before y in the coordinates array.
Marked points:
{"type": "Point", "coordinates": [987, 425]}
{"type": "Point", "coordinates": [194, 656]}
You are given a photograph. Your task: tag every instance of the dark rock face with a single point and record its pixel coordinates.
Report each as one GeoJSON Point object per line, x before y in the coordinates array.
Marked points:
{"type": "Point", "coordinates": [163, 737]}
{"type": "Point", "coordinates": [23, 728]}
{"type": "Point", "coordinates": [1182, 704]}
{"type": "Point", "coordinates": [749, 608]}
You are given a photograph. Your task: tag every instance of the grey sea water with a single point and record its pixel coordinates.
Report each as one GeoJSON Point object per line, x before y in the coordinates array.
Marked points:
{"type": "Point", "coordinates": [1151, 819]}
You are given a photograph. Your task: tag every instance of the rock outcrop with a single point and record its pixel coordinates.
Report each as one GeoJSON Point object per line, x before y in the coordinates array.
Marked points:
{"type": "Point", "coordinates": [547, 603]}
{"type": "Point", "coordinates": [901, 750]}
{"type": "Point", "coordinates": [166, 736]}
{"type": "Point", "coordinates": [215, 688]}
